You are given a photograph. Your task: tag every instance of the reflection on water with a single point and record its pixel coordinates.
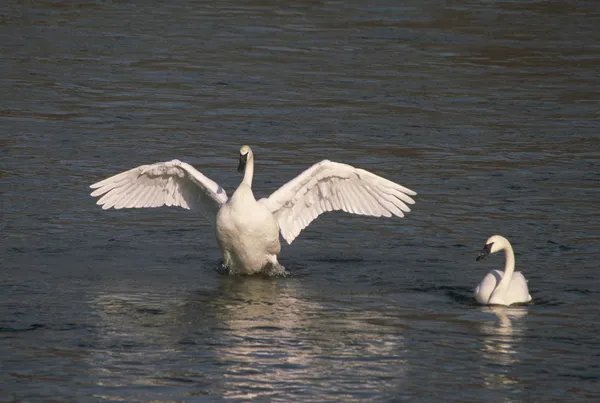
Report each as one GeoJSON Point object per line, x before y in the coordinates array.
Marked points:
{"type": "Point", "coordinates": [261, 336]}
{"type": "Point", "coordinates": [501, 339]}
{"type": "Point", "coordinates": [283, 340]}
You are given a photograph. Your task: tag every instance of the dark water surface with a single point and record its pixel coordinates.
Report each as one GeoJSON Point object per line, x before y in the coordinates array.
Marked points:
{"type": "Point", "coordinates": [488, 109]}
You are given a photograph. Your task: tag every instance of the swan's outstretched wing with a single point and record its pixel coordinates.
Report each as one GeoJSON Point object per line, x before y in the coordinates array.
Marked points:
{"type": "Point", "coordinates": [172, 183]}
{"type": "Point", "coordinates": [328, 186]}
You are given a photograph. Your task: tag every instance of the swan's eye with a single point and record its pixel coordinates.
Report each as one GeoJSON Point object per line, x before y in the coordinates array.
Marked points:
{"type": "Point", "coordinates": [488, 247]}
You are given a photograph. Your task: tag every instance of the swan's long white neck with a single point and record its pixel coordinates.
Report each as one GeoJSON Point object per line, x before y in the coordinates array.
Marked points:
{"type": "Point", "coordinates": [509, 268]}
{"type": "Point", "coordinates": [249, 170]}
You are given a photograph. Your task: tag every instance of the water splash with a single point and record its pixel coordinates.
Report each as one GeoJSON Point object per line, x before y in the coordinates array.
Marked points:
{"type": "Point", "coordinates": [270, 270]}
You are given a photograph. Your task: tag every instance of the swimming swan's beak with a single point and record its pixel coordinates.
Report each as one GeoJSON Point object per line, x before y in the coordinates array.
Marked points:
{"type": "Point", "coordinates": [485, 251]}
{"type": "Point", "coordinates": [242, 165]}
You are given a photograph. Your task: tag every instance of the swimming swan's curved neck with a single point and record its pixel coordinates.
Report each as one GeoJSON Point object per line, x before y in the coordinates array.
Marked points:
{"type": "Point", "coordinates": [509, 268]}
{"type": "Point", "coordinates": [249, 170]}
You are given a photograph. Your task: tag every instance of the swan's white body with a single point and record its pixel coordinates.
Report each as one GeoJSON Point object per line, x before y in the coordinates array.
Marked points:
{"type": "Point", "coordinates": [248, 230]}
{"type": "Point", "coordinates": [502, 287]}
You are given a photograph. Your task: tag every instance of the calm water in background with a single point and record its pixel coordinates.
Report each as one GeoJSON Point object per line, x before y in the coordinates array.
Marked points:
{"type": "Point", "coordinates": [490, 110]}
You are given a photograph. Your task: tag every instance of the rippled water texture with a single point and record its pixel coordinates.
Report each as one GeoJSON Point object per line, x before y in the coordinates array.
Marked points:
{"type": "Point", "coordinates": [488, 109]}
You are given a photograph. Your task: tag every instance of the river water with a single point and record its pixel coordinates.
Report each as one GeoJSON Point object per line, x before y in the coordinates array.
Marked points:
{"type": "Point", "coordinates": [488, 109]}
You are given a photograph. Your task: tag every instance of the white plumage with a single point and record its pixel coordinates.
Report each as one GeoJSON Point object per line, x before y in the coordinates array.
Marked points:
{"type": "Point", "coordinates": [328, 186]}
{"type": "Point", "coordinates": [172, 183]}
{"type": "Point", "coordinates": [501, 287]}
{"type": "Point", "coordinates": [248, 230]}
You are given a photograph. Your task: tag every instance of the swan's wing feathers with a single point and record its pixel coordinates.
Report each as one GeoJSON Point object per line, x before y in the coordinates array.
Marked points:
{"type": "Point", "coordinates": [172, 183]}
{"type": "Point", "coordinates": [328, 186]}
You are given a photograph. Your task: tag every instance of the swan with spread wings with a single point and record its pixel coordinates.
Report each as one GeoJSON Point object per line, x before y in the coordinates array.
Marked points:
{"type": "Point", "coordinates": [248, 230]}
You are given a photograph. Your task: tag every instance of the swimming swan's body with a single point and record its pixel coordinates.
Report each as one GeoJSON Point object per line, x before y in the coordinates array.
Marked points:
{"type": "Point", "coordinates": [248, 230]}
{"type": "Point", "coordinates": [501, 287]}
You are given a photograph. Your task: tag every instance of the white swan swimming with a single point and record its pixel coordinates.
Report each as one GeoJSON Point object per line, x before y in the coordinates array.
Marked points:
{"type": "Point", "coordinates": [248, 230]}
{"type": "Point", "coordinates": [501, 287]}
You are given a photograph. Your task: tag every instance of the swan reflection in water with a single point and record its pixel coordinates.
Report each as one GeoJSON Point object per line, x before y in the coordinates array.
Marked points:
{"type": "Point", "coordinates": [501, 339]}
{"type": "Point", "coordinates": [279, 339]}
{"type": "Point", "coordinates": [247, 338]}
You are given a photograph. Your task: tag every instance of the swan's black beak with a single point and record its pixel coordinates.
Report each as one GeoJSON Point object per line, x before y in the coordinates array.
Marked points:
{"type": "Point", "coordinates": [242, 165]}
{"type": "Point", "coordinates": [485, 251]}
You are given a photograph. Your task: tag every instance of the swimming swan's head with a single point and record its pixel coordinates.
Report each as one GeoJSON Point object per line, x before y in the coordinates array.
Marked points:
{"type": "Point", "coordinates": [245, 151]}
{"type": "Point", "coordinates": [494, 244]}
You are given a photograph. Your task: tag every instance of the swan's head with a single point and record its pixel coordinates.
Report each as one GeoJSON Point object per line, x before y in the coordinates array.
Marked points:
{"type": "Point", "coordinates": [245, 152]}
{"type": "Point", "coordinates": [494, 244]}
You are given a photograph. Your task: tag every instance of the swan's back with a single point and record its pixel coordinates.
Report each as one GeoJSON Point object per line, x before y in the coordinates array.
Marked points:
{"type": "Point", "coordinates": [517, 290]}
